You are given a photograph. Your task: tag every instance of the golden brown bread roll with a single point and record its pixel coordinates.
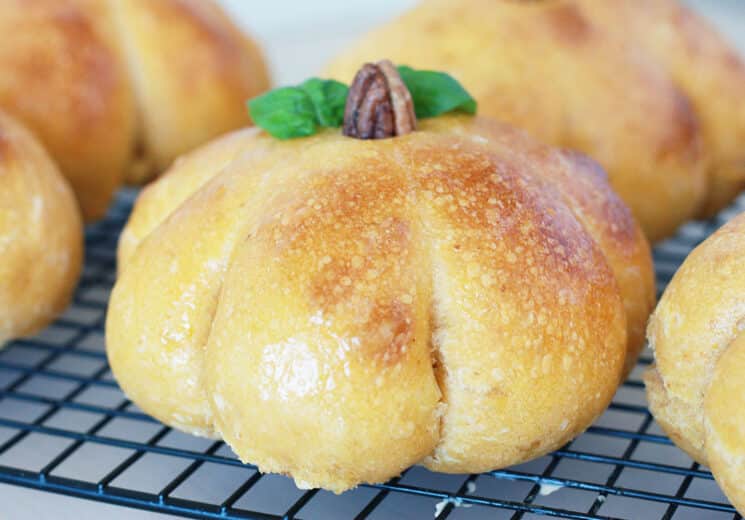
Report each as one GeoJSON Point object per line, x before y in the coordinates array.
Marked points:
{"type": "Point", "coordinates": [41, 234]}
{"type": "Point", "coordinates": [621, 80]}
{"type": "Point", "coordinates": [452, 297]}
{"type": "Point", "coordinates": [119, 88]}
{"type": "Point", "coordinates": [697, 386]}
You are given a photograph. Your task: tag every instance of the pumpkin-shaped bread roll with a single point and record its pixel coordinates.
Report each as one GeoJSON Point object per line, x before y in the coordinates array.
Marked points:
{"type": "Point", "coordinates": [645, 88]}
{"type": "Point", "coordinates": [696, 388]}
{"type": "Point", "coordinates": [117, 89]}
{"type": "Point", "coordinates": [41, 234]}
{"type": "Point", "coordinates": [339, 309]}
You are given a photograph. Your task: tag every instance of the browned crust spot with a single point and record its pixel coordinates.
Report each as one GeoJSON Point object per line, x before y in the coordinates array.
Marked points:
{"type": "Point", "coordinates": [94, 61]}
{"type": "Point", "coordinates": [684, 137]}
{"type": "Point", "coordinates": [389, 331]}
{"type": "Point", "coordinates": [569, 24]}
{"type": "Point", "coordinates": [6, 148]}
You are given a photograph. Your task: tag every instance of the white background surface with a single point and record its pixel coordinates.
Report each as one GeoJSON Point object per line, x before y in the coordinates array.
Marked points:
{"type": "Point", "coordinates": [298, 36]}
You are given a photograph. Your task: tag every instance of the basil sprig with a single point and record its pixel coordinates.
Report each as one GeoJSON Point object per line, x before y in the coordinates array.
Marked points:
{"type": "Point", "coordinates": [290, 112]}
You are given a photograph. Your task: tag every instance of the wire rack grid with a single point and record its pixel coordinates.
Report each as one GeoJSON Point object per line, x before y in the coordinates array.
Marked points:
{"type": "Point", "coordinates": [65, 427]}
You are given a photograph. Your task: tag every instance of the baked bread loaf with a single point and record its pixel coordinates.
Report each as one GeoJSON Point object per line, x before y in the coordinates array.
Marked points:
{"type": "Point", "coordinates": [41, 234]}
{"type": "Point", "coordinates": [119, 88]}
{"type": "Point", "coordinates": [696, 388]}
{"type": "Point", "coordinates": [620, 80]}
{"type": "Point", "coordinates": [338, 309]}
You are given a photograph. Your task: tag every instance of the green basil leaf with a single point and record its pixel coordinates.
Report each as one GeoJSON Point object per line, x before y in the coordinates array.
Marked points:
{"type": "Point", "coordinates": [284, 112]}
{"type": "Point", "coordinates": [436, 93]}
{"type": "Point", "coordinates": [329, 100]}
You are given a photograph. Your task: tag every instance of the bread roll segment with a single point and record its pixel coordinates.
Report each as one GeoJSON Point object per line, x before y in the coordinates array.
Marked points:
{"type": "Point", "coordinates": [348, 308]}
{"type": "Point", "coordinates": [696, 386]}
{"type": "Point", "coordinates": [191, 70]}
{"type": "Point", "coordinates": [705, 67]}
{"type": "Point", "coordinates": [189, 172]}
{"type": "Point", "coordinates": [606, 218]}
{"type": "Point", "coordinates": [324, 325]}
{"type": "Point", "coordinates": [522, 298]}
{"type": "Point", "coordinates": [61, 76]}
{"type": "Point", "coordinates": [725, 422]}
{"type": "Point", "coordinates": [173, 280]}
{"type": "Point", "coordinates": [41, 235]}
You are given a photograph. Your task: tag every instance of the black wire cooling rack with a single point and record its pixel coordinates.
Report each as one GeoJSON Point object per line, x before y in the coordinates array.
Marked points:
{"type": "Point", "coordinates": [65, 427]}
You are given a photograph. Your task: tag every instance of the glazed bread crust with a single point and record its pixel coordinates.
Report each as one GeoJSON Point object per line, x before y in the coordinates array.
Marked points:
{"type": "Point", "coordinates": [120, 88]}
{"type": "Point", "coordinates": [41, 235]}
{"type": "Point", "coordinates": [338, 309]}
{"type": "Point", "coordinates": [696, 387]}
{"type": "Point", "coordinates": [644, 87]}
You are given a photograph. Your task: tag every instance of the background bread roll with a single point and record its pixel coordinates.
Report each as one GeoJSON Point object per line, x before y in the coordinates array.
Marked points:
{"type": "Point", "coordinates": [41, 235]}
{"type": "Point", "coordinates": [696, 388]}
{"type": "Point", "coordinates": [625, 81]}
{"type": "Point", "coordinates": [119, 88]}
{"type": "Point", "coordinates": [454, 297]}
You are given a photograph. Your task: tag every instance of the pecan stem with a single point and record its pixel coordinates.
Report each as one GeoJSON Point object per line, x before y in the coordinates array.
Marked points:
{"type": "Point", "coordinates": [378, 105]}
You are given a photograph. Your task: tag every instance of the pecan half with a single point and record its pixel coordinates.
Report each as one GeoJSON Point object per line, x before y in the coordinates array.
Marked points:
{"type": "Point", "coordinates": [379, 105]}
